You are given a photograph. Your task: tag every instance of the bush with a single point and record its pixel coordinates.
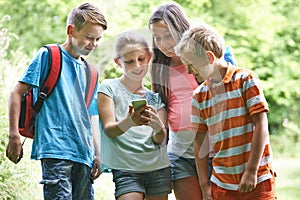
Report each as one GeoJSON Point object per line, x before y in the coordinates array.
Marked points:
{"type": "Point", "coordinates": [15, 180]}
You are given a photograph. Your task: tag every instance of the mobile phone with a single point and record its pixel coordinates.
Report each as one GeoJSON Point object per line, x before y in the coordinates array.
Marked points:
{"type": "Point", "coordinates": [138, 103]}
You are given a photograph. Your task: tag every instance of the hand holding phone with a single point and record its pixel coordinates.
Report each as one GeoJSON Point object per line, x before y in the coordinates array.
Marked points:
{"type": "Point", "coordinates": [138, 103]}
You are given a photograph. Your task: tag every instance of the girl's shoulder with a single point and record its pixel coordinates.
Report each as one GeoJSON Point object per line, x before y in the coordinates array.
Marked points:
{"type": "Point", "coordinates": [108, 85]}
{"type": "Point", "coordinates": [109, 82]}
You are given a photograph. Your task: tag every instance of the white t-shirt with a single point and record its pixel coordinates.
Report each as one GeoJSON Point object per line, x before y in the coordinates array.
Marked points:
{"type": "Point", "coordinates": [134, 150]}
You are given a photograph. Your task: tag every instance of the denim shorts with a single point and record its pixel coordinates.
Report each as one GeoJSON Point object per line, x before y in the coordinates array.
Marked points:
{"type": "Point", "coordinates": [185, 167]}
{"type": "Point", "coordinates": [64, 179]}
{"type": "Point", "coordinates": [154, 183]}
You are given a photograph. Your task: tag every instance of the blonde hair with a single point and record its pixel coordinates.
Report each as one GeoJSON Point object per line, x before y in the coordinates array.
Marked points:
{"type": "Point", "coordinates": [200, 39]}
{"type": "Point", "coordinates": [128, 38]}
{"type": "Point", "coordinates": [86, 13]}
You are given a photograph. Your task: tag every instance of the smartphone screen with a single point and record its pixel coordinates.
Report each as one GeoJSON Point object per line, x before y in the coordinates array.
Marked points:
{"type": "Point", "coordinates": [138, 103]}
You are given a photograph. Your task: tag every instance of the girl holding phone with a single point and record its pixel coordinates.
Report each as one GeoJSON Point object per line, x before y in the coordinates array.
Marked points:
{"type": "Point", "coordinates": [133, 140]}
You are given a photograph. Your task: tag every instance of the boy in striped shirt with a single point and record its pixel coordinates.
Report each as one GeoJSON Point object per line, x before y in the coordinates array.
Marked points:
{"type": "Point", "coordinates": [230, 108]}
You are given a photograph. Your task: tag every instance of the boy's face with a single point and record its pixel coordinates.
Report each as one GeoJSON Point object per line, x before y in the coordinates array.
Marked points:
{"type": "Point", "coordinates": [197, 65]}
{"type": "Point", "coordinates": [87, 39]}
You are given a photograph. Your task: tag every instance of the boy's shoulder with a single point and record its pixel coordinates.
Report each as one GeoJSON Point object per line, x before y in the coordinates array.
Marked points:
{"type": "Point", "coordinates": [245, 73]}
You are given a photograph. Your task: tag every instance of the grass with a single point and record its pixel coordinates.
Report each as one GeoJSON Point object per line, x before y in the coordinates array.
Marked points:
{"type": "Point", "coordinates": [287, 181]}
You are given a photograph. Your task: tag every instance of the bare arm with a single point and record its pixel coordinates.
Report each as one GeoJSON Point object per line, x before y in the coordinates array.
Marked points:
{"type": "Point", "coordinates": [14, 150]}
{"type": "Point", "coordinates": [96, 140]}
{"type": "Point", "coordinates": [112, 128]}
{"type": "Point", "coordinates": [201, 149]}
{"type": "Point", "coordinates": [259, 138]}
{"type": "Point", "coordinates": [157, 122]}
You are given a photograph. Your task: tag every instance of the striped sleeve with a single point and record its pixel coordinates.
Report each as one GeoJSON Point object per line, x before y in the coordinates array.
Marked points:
{"type": "Point", "coordinates": [198, 123]}
{"type": "Point", "coordinates": [254, 96]}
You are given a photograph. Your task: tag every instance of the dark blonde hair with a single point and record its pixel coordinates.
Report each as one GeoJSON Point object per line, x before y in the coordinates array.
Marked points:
{"type": "Point", "coordinates": [174, 17]}
{"type": "Point", "coordinates": [200, 39]}
{"type": "Point", "coordinates": [129, 37]}
{"type": "Point", "coordinates": [86, 13]}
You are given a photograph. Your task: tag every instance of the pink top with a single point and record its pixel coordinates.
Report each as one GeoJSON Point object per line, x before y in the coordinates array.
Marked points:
{"type": "Point", "coordinates": [181, 86]}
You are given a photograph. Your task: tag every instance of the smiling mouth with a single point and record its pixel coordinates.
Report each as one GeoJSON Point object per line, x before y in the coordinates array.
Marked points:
{"type": "Point", "coordinates": [89, 49]}
{"type": "Point", "coordinates": [138, 72]}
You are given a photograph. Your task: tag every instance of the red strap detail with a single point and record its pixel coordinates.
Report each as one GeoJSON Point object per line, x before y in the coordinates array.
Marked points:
{"type": "Point", "coordinates": [54, 70]}
{"type": "Point", "coordinates": [92, 85]}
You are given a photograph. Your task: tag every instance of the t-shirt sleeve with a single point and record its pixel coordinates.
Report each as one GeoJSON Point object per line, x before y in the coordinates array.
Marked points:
{"type": "Point", "coordinates": [35, 73]}
{"type": "Point", "coordinates": [254, 96]}
{"type": "Point", "coordinates": [154, 100]}
{"type": "Point", "coordinates": [198, 125]}
{"type": "Point", "coordinates": [105, 87]}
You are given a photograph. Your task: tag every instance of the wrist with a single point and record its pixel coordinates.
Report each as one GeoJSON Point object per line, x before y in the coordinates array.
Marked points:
{"type": "Point", "coordinates": [161, 131]}
{"type": "Point", "coordinates": [252, 170]}
{"type": "Point", "coordinates": [13, 136]}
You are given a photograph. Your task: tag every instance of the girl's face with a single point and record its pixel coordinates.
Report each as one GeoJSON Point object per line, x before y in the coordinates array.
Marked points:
{"type": "Point", "coordinates": [135, 62]}
{"type": "Point", "coordinates": [163, 38]}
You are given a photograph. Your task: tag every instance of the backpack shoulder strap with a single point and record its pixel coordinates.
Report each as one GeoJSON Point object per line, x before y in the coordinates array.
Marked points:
{"type": "Point", "coordinates": [55, 62]}
{"type": "Point", "coordinates": [91, 82]}
{"type": "Point", "coordinates": [55, 66]}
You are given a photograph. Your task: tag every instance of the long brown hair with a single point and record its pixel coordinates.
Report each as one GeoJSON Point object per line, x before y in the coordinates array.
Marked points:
{"type": "Point", "coordinates": [173, 15]}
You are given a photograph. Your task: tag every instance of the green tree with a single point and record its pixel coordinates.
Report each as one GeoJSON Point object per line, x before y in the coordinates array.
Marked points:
{"type": "Point", "coordinates": [35, 23]}
{"type": "Point", "coordinates": [14, 179]}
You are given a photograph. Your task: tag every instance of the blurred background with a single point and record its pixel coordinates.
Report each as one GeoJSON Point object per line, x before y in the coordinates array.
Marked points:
{"type": "Point", "coordinates": [264, 36]}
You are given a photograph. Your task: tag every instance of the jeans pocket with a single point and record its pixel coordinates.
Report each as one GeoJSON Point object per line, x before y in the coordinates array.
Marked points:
{"type": "Point", "coordinates": [49, 182]}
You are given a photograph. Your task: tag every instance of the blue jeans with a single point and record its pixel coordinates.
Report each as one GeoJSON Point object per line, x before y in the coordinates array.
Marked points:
{"type": "Point", "coordinates": [64, 179]}
{"type": "Point", "coordinates": [154, 183]}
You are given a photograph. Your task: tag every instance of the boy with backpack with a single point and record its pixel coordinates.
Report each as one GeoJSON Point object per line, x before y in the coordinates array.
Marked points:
{"type": "Point", "coordinates": [64, 136]}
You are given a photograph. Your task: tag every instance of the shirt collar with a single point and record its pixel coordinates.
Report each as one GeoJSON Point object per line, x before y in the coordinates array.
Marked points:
{"type": "Point", "coordinates": [229, 73]}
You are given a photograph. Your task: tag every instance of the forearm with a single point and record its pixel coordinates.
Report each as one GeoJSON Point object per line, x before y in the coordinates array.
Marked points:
{"type": "Point", "coordinates": [201, 148]}
{"type": "Point", "coordinates": [115, 129]}
{"type": "Point", "coordinates": [14, 107]}
{"type": "Point", "coordinates": [259, 139]}
{"type": "Point", "coordinates": [96, 135]}
{"type": "Point", "coordinates": [159, 128]}
{"type": "Point", "coordinates": [257, 148]}
{"type": "Point", "coordinates": [159, 136]}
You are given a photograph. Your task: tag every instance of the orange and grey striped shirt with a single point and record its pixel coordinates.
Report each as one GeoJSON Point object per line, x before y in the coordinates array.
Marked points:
{"type": "Point", "coordinates": [224, 111]}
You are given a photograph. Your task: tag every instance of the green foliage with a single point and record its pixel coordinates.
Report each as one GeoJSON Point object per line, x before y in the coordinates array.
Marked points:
{"type": "Point", "coordinates": [14, 179]}
{"type": "Point", "coordinates": [287, 185]}
{"type": "Point", "coordinates": [36, 23]}
{"type": "Point", "coordinates": [111, 72]}
{"type": "Point", "coordinates": [264, 35]}
{"type": "Point", "coordinates": [265, 38]}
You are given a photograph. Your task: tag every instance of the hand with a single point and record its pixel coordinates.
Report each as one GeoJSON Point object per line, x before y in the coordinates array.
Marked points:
{"type": "Point", "coordinates": [96, 171]}
{"type": "Point", "coordinates": [140, 116]}
{"type": "Point", "coordinates": [14, 148]}
{"type": "Point", "coordinates": [248, 181]}
{"type": "Point", "coordinates": [154, 120]}
{"type": "Point", "coordinates": [206, 192]}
